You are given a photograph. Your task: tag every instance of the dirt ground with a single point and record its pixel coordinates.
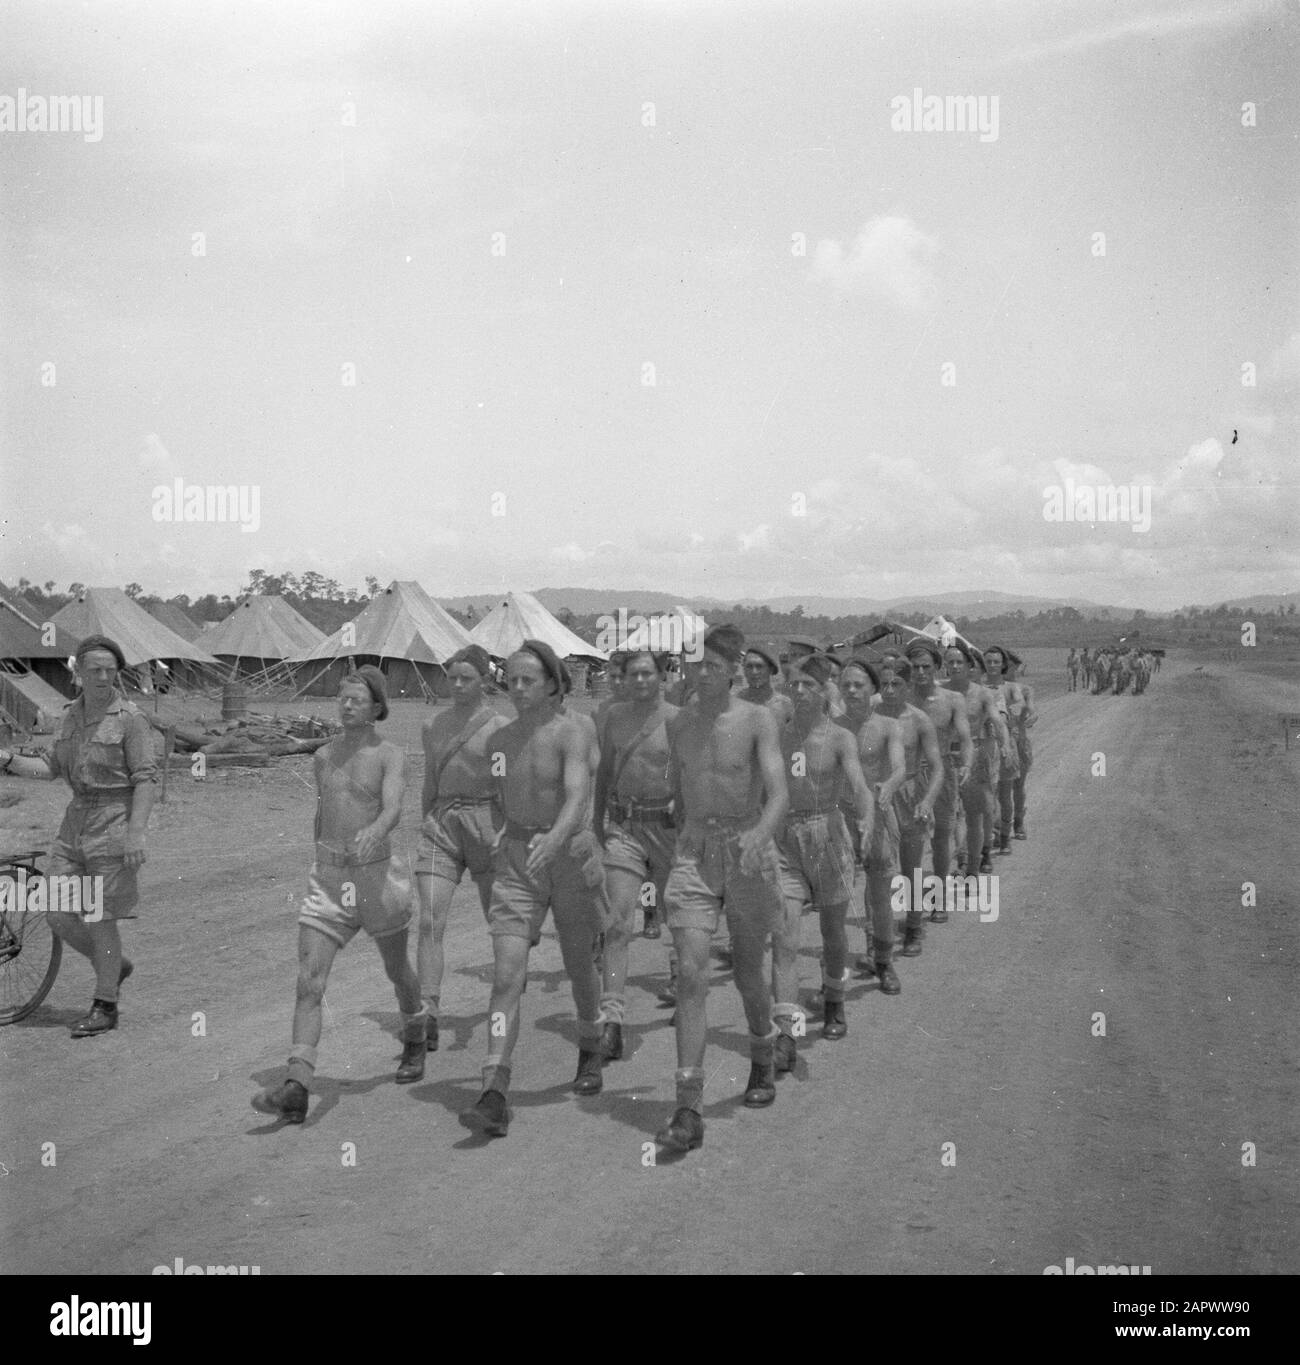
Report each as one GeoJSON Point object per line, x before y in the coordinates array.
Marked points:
{"type": "Point", "coordinates": [1129, 1148]}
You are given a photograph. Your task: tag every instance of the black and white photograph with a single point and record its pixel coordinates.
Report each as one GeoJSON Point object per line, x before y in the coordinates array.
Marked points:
{"type": "Point", "coordinates": [650, 637]}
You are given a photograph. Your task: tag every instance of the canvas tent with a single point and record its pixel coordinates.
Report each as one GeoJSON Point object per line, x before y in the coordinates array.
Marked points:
{"type": "Point", "coordinates": [403, 630]}
{"type": "Point", "coordinates": [519, 617]}
{"type": "Point", "coordinates": [678, 632]}
{"type": "Point", "coordinates": [258, 636]}
{"type": "Point", "coordinates": [144, 641]}
{"type": "Point", "coordinates": [35, 683]}
{"type": "Point", "coordinates": [175, 619]}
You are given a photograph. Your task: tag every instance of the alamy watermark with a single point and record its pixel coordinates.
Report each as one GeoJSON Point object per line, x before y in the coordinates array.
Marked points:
{"type": "Point", "coordinates": [921, 113]}
{"type": "Point", "coordinates": [1094, 502]}
{"type": "Point", "coordinates": [38, 893]}
{"type": "Point", "coordinates": [183, 501]}
{"type": "Point", "coordinates": [678, 632]}
{"type": "Point", "coordinates": [26, 113]}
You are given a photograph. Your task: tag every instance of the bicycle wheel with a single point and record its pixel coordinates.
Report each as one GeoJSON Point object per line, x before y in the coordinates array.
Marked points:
{"type": "Point", "coordinates": [29, 961]}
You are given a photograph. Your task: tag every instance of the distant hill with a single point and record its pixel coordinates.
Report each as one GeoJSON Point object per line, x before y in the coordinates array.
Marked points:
{"type": "Point", "coordinates": [1261, 601]}
{"type": "Point", "coordinates": [973, 603]}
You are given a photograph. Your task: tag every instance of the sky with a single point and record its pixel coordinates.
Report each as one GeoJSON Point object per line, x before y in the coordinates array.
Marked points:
{"type": "Point", "coordinates": [655, 295]}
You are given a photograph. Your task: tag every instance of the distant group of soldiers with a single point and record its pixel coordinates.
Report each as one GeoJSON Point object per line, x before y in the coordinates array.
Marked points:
{"type": "Point", "coordinates": [1112, 668]}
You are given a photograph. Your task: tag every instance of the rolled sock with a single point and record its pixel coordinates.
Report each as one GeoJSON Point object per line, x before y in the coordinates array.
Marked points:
{"type": "Point", "coordinates": [690, 1088]}
{"type": "Point", "coordinates": [302, 1065]}
{"type": "Point", "coordinates": [589, 1030]}
{"type": "Point", "coordinates": [613, 1009]}
{"type": "Point", "coordinates": [431, 1004]}
{"type": "Point", "coordinates": [413, 1025]}
{"type": "Point", "coordinates": [496, 1075]}
{"type": "Point", "coordinates": [784, 1015]}
{"type": "Point", "coordinates": [833, 989]}
{"type": "Point", "coordinates": [760, 1046]}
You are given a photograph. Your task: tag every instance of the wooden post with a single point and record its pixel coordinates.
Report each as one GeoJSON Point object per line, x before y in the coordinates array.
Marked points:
{"type": "Point", "coordinates": [169, 743]}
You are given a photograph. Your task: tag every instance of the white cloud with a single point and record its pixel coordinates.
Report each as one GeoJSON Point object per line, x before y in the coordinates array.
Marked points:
{"type": "Point", "coordinates": [1164, 23]}
{"type": "Point", "coordinates": [153, 454]}
{"type": "Point", "coordinates": [889, 258]}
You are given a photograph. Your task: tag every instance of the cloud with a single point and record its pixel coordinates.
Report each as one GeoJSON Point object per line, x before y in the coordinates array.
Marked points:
{"type": "Point", "coordinates": [1283, 367]}
{"type": "Point", "coordinates": [1162, 24]}
{"type": "Point", "coordinates": [569, 553]}
{"type": "Point", "coordinates": [153, 454]}
{"type": "Point", "coordinates": [889, 258]}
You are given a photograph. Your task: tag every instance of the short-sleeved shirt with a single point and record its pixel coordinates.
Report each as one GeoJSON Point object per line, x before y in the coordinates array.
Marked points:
{"type": "Point", "coordinates": [115, 755]}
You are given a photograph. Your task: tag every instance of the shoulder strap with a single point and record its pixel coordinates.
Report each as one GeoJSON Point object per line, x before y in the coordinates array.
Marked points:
{"type": "Point", "coordinates": [462, 739]}
{"type": "Point", "coordinates": [648, 728]}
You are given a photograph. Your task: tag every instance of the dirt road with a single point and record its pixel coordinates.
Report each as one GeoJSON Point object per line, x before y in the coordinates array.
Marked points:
{"type": "Point", "coordinates": [1124, 1148]}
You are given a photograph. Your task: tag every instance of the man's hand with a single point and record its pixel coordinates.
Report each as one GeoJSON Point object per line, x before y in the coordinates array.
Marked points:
{"type": "Point", "coordinates": [368, 841]}
{"type": "Point", "coordinates": [133, 850]}
{"type": "Point", "coordinates": [924, 809]}
{"type": "Point", "coordinates": [752, 843]}
{"type": "Point", "coordinates": [542, 849]}
{"type": "Point", "coordinates": [963, 772]}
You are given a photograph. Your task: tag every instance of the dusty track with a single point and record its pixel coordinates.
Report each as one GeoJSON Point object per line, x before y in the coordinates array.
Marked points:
{"type": "Point", "coordinates": [1127, 1148]}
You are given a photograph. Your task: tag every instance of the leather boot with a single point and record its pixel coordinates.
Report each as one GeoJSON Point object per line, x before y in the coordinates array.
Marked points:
{"type": "Point", "coordinates": [761, 1089]}
{"type": "Point", "coordinates": [834, 1024]}
{"type": "Point", "coordinates": [611, 1042]}
{"type": "Point", "coordinates": [411, 1067]}
{"type": "Point", "coordinates": [684, 1133]}
{"type": "Point", "coordinates": [490, 1116]}
{"type": "Point", "coordinates": [287, 1101]}
{"type": "Point", "coordinates": [588, 1081]}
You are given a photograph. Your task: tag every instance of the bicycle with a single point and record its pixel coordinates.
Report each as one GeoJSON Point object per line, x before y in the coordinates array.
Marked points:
{"type": "Point", "coordinates": [30, 952]}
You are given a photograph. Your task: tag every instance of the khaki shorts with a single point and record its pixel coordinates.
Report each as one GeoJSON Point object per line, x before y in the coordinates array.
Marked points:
{"type": "Point", "coordinates": [1026, 750]}
{"type": "Point", "coordinates": [458, 837]}
{"type": "Point", "coordinates": [91, 842]}
{"type": "Point", "coordinates": [520, 902]}
{"type": "Point", "coordinates": [816, 860]}
{"type": "Point", "coordinates": [344, 896]}
{"type": "Point", "coordinates": [706, 881]}
{"type": "Point", "coordinates": [644, 850]}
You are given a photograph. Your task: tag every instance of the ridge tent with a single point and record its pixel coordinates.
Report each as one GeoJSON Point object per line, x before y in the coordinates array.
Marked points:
{"type": "Point", "coordinates": [519, 617]}
{"type": "Point", "coordinates": [175, 619]}
{"type": "Point", "coordinates": [403, 630]}
{"type": "Point", "coordinates": [258, 636]}
{"type": "Point", "coordinates": [144, 641]}
{"type": "Point", "coordinates": [35, 683]}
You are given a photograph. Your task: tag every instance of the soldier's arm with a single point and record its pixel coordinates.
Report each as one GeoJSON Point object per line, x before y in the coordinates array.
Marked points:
{"type": "Point", "coordinates": [576, 756]}
{"type": "Point", "coordinates": [604, 771]}
{"type": "Point", "coordinates": [863, 800]}
{"type": "Point", "coordinates": [767, 743]}
{"type": "Point", "coordinates": [393, 761]}
{"type": "Point", "coordinates": [933, 758]}
{"type": "Point", "coordinates": [961, 725]}
{"type": "Point", "coordinates": [995, 718]}
{"type": "Point", "coordinates": [429, 791]}
{"type": "Point", "coordinates": [674, 774]}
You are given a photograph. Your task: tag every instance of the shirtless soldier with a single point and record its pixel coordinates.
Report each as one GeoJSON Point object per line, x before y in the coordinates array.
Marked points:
{"type": "Point", "coordinates": [458, 832]}
{"type": "Point", "coordinates": [993, 748]}
{"type": "Point", "coordinates": [725, 752]}
{"type": "Point", "coordinates": [915, 798]}
{"type": "Point", "coordinates": [1019, 715]}
{"type": "Point", "coordinates": [634, 822]}
{"type": "Point", "coordinates": [354, 884]}
{"type": "Point", "coordinates": [884, 764]}
{"type": "Point", "coordinates": [948, 716]}
{"type": "Point", "coordinates": [541, 764]}
{"type": "Point", "coordinates": [821, 760]}
{"type": "Point", "coordinates": [760, 668]}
